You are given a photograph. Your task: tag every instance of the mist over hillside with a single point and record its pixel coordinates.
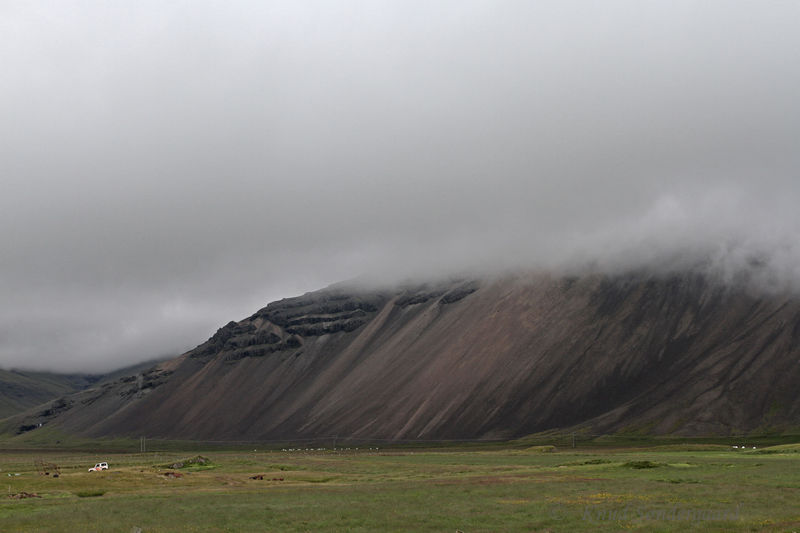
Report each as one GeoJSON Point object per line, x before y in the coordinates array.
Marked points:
{"type": "Point", "coordinates": [173, 166]}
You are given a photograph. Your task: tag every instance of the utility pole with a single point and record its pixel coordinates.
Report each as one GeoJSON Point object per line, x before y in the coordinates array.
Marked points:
{"type": "Point", "coordinates": [573, 439]}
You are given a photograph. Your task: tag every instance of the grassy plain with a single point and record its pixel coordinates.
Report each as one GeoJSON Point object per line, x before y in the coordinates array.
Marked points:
{"type": "Point", "coordinates": [699, 487]}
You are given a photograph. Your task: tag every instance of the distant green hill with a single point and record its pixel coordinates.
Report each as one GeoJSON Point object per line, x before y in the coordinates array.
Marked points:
{"type": "Point", "coordinates": [20, 390]}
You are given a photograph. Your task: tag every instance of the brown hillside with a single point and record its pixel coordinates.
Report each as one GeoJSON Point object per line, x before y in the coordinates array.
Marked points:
{"type": "Point", "coordinates": [473, 359]}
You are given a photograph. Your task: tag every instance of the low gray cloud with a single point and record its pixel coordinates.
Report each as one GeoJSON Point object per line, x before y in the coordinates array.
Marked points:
{"type": "Point", "coordinates": [167, 167]}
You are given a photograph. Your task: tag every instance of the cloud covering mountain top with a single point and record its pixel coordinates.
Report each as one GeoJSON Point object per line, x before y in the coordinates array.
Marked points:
{"type": "Point", "coordinates": [168, 167]}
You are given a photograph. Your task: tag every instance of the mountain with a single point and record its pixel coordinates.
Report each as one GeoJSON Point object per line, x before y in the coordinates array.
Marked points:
{"type": "Point", "coordinates": [502, 358]}
{"type": "Point", "coordinates": [21, 390]}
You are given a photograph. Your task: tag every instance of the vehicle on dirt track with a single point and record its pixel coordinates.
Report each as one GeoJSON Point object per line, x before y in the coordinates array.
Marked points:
{"type": "Point", "coordinates": [99, 466]}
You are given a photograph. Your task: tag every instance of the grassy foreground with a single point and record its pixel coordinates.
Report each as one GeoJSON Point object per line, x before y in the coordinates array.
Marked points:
{"type": "Point", "coordinates": [670, 488]}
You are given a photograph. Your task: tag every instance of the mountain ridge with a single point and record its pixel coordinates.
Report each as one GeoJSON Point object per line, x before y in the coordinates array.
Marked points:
{"type": "Point", "coordinates": [499, 358]}
{"type": "Point", "coordinates": [21, 390]}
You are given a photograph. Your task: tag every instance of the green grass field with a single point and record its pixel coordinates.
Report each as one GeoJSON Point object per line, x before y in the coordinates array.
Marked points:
{"type": "Point", "coordinates": [699, 487]}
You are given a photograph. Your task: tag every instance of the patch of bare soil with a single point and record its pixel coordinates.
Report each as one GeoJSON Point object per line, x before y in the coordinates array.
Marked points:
{"type": "Point", "coordinates": [23, 495]}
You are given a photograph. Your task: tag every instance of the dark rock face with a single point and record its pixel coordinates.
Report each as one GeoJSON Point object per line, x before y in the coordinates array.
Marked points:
{"type": "Point", "coordinates": [58, 406]}
{"type": "Point", "coordinates": [459, 293]}
{"type": "Point", "coordinates": [282, 326]}
{"type": "Point", "coordinates": [304, 309]}
{"type": "Point", "coordinates": [467, 359]}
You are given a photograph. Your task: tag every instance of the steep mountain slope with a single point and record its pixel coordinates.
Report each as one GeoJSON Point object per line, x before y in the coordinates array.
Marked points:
{"type": "Point", "coordinates": [469, 359]}
{"type": "Point", "coordinates": [22, 390]}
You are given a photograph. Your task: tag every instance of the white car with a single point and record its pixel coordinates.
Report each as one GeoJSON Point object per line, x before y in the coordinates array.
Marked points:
{"type": "Point", "coordinates": [98, 467]}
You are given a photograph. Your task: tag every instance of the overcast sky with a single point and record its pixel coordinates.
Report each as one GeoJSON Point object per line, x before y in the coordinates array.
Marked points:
{"type": "Point", "coordinates": [168, 166]}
